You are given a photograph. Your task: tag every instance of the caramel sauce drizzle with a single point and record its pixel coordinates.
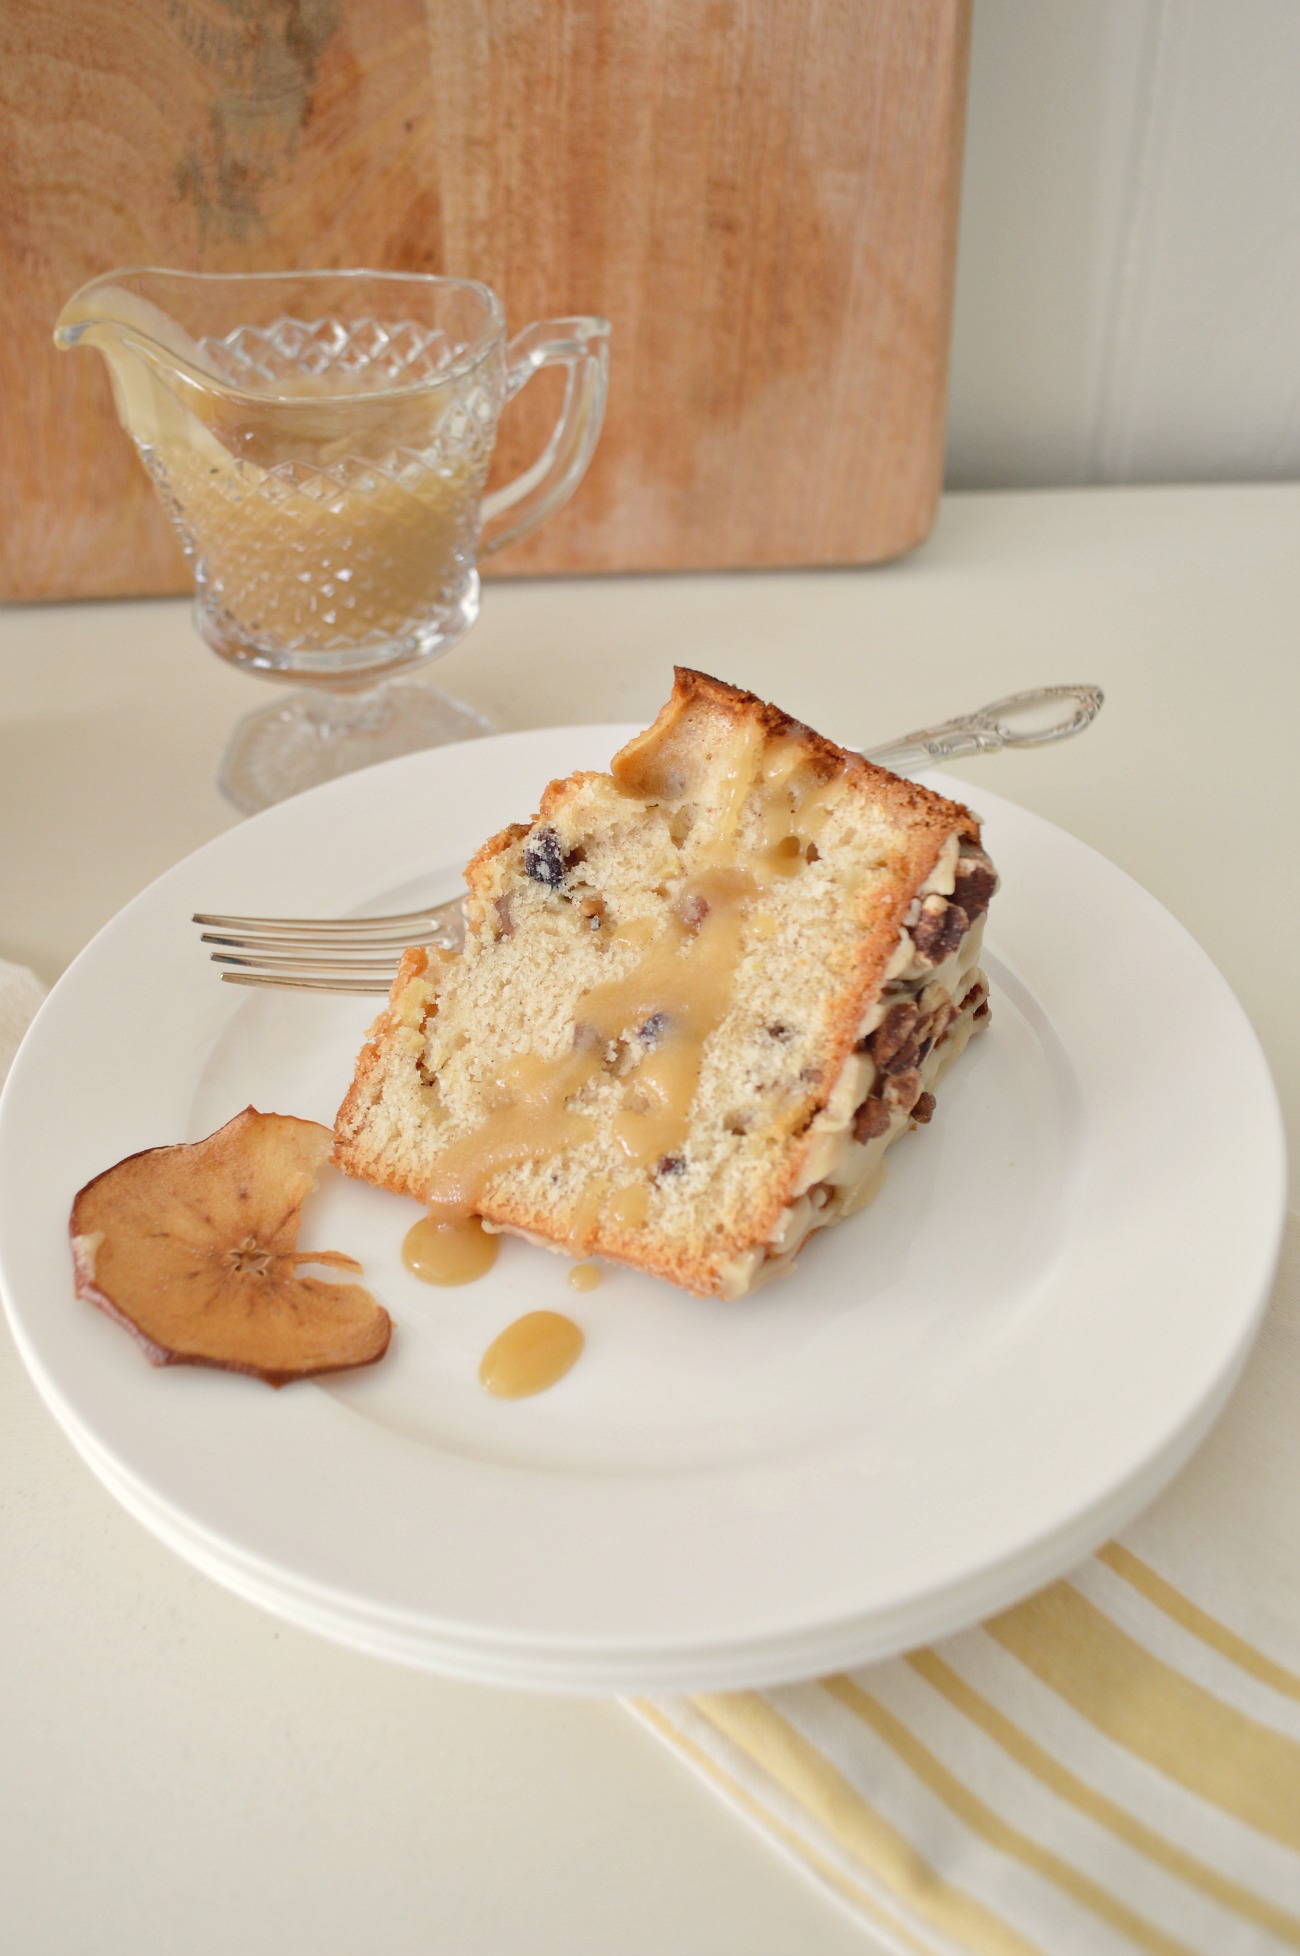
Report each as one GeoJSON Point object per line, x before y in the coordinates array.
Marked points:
{"type": "Point", "coordinates": [683, 983]}
{"type": "Point", "coordinates": [683, 987]}
{"type": "Point", "coordinates": [528, 1115]}
{"type": "Point", "coordinates": [586, 1215]}
{"type": "Point", "coordinates": [661, 1012]}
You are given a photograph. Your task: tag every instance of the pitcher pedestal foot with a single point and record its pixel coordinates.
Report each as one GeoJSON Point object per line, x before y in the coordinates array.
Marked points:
{"type": "Point", "coordinates": [312, 736]}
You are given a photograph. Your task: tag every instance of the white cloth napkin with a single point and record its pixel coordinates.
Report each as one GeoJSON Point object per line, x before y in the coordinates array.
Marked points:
{"type": "Point", "coordinates": [21, 992]}
{"type": "Point", "coordinates": [1110, 1767]}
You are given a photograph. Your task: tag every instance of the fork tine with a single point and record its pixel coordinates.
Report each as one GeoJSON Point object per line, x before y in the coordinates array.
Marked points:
{"type": "Point", "coordinates": [272, 978]}
{"type": "Point", "coordinates": [320, 967]}
{"type": "Point", "coordinates": [306, 941]}
{"type": "Point", "coordinates": [325, 954]}
{"type": "Point", "coordinates": [430, 919]}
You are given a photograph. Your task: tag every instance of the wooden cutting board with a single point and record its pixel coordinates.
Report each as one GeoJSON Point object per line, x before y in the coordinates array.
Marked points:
{"type": "Point", "coordinates": [761, 197]}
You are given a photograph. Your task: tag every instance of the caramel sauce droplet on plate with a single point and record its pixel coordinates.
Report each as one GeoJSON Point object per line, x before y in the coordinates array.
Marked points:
{"type": "Point", "coordinates": [449, 1252]}
{"type": "Point", "coordinates": [584, 1276]}
{"type": "Point", "coordinates": [530, 1354]}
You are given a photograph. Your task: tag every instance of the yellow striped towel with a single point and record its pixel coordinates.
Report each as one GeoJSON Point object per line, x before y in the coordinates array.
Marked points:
{"type": "Point", "coordinates": [1112, 1766]}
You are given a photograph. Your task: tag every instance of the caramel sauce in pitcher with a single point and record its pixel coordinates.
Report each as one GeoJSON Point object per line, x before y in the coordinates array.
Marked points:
{"type": "Point", "coordinates": [327, 552]}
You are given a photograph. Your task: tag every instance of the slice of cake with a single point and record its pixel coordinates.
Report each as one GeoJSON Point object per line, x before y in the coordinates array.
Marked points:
{"type": "Point", "coordinates": [700, 995]}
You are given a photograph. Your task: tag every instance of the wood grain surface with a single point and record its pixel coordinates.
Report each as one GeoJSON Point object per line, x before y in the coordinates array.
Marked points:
{"type": "Point", "coordinates": [761, 197]}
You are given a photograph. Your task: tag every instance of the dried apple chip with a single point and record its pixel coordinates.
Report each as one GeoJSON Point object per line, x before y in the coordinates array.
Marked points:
{"type": "Point", "coordinates": [194, 1249]}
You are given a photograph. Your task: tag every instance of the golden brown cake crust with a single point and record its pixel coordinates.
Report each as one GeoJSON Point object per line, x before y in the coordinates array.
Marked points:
{"type": "Point", "coordinates": [639, 765]}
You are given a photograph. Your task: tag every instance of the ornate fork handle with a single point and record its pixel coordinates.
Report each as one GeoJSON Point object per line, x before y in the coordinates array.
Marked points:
{"type": "Point", "coordinates": [990, 727]}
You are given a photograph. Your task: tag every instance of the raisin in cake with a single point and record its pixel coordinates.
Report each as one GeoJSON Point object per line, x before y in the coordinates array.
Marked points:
{"type": "Point", "coordinates": [700, 996]}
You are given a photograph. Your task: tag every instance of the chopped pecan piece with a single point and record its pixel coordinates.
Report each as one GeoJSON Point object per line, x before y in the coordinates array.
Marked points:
{"type": "Point", "coordinates": [976, 1001]}
{"type": "Point", "coordinates": [903, 1090]}
{"type": "Point", "coordinates": [923, 1108]}
{"type": "Point", "coordinates": [904, 1059]}
{"type": "Point", "coordinates": [871, 1119]}
{"type": "Point", "coordinates": [976, 882]}
{"type": "Point", "coordinates": [939, 929]}
{"type": "Point", "coordinates": [937, 1011]}
{"type": "Point", "coordinates": [933, 1026]}
{"type": "Point", "coordinates": [893, 1033]}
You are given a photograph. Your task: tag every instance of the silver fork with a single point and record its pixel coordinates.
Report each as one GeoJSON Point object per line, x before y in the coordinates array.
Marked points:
{"type": "Point", "coordinates": [360, 954]}
{"type": "Point", "coordinates": [326, 954]}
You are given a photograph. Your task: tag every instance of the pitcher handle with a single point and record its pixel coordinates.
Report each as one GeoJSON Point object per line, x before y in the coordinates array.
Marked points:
{"type": "Point", "coordinates": [582, 346]}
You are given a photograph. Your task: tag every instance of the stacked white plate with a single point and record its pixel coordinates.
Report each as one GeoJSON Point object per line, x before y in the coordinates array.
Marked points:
{"type": "Point", "coordinates": [956, 1395]}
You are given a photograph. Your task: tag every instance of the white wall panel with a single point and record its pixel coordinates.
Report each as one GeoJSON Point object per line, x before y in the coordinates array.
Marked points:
{"type": "Point", "coordinates": [1128, 298]}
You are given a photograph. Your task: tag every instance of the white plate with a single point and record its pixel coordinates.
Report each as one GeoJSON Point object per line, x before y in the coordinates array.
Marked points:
{"type": "Point", "coordinates": [957, 1394]}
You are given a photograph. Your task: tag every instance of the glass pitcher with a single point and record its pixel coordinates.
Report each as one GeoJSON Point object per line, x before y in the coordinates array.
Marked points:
{"type": "Point", "coordinates": [321, 442]}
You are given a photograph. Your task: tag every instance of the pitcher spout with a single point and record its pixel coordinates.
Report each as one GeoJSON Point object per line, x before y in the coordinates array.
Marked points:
{"type": "Point", "coordinates": [117, 315]}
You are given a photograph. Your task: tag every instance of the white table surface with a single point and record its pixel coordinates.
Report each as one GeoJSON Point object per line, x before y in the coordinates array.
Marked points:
{"type": "Point", "coordinates": [182, 1774]}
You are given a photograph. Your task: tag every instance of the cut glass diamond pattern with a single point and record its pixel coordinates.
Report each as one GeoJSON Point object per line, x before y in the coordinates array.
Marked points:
{"type": "Point", "coordinates": [383, 542]}
{"type": "Point", "coordinates": [393, 355]}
